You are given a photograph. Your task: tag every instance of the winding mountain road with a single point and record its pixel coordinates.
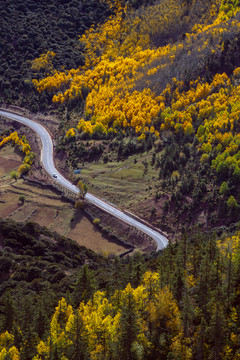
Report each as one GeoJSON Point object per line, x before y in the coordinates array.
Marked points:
{"type": "Point", "coordinates": [48, 163]}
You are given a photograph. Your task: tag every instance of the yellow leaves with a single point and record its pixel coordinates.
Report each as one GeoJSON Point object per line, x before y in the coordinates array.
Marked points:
{"type": "Point", "coordinates": [23, 146]}
{"type": "Point", "coordinates": [119, 55]}
{"type": "Point", "coordinates": [204, 158]}
{"type": "Point", "coordinates": [6, 339]}
{"type": "Point", "coordinates": [6, 347]}
{"type": "Point", "coordinates": [152, 71]}
{"type": "Point", "coordinates": [60, 321]}
{"type": "Point", "coordinates": [180, 349]}
{"type": "Point", "coordinates": [236, 72]}
{"type": "Point", "coordinates": [122, 110]}
{"type": "Point", "coordinates": [85, 126]}
{"type": "Point", "coordinates": [43, 349]}
{"type": "Point", "coordinates": [100, 321]}
{"type": "Point", "coordinates": [191, 281]}
{"type": "Point", "coordinates": [70, 133]}
{"type": "Point", "coordinates": [230, 245]}
{"type": "Point", "coordinates": [101, 324]}
{"type": "Point", "coordinates": [44, 61]}
{"type": "Point", "coordinates": [175, 175]}
{"type": "Point", "coordinates": [187, 128]}
{"type": "Point", "coordinates": [3, 354]}
{"type": "Point", "coordinates": [14, 353]}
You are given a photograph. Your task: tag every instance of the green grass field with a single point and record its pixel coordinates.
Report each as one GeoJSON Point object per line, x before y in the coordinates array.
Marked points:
{"type": "Point", "coordinates": [123, 183]}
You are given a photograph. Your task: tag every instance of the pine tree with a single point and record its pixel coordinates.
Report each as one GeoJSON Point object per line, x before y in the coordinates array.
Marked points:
{"type": "Point", "coordinates": [128, 326]}
{"type": "Point", "coordinates": [84, 286]}
{"type": "Point", "coordinates": [41, 321]}
{"type": "Point", "coordinates": [217, 331]}
{"type": "Point", "coordinates": [29, 340]}
{"type": "Point", "coordinates": [187, 312]}
{"type": "Point", "coordinates": [8, 312]}
{"type": "Point", "coordinates": [200, 346]}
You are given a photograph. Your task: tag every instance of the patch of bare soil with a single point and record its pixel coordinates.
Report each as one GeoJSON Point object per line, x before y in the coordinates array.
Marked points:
{"type": "Point", "coordinates": [44, 216]}
{"type": "Point", "coordinates": [7, 209]}
{"type": "Point", "coordinates": [7, 164]}
{"type": "Point", "coordinates": [130, 237]}
{"type": "Point", "coordinates": [86, 234]}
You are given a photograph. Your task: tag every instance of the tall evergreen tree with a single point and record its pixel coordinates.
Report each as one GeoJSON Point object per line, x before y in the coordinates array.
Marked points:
{"type": "Point", "coordinates": [217, 331]}
{"type": "Point", "coordinates": [8, 311]}
{"type": "Point", "coordinates": [84, 286]}
{"type": "Point", "coordinates": [128, 327]}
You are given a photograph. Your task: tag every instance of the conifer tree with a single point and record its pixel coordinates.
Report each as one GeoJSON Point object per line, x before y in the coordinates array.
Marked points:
{"type": "Point", "coordinates": [84, 286]}
{"type": "Point", "coordinates": [128, 326]}
{"type": "Point", "coordinates": [216, 331]}
{"type": "Point", "coordinates": [8, 312]}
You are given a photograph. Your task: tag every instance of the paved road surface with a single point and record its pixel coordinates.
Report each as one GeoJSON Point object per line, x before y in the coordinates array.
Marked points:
{"type": "Point", "coordinates": [48, 163]}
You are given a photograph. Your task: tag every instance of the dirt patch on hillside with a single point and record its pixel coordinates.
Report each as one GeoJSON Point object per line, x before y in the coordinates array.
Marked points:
{"type": "Point", "coordinates": [8, 164]}
{"type": "Point", "coordinates": [7, 208]}
{"type": "Point", "coordinates": [85, 233]}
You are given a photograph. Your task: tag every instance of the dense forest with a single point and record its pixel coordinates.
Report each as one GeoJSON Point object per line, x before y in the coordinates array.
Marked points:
{"type": "Point", "coordinates": [62, 301]}
{"type": "Point", "coordinates": [125, 78]}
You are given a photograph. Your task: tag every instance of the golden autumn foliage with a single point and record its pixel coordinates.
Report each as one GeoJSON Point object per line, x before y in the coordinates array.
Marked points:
{"type": "Point", "coordinates": [44, 61]}
{"type": "Point", "coordinates": [7, 349]}
{"type": "Point", "coordinates": [100, 321]}
{"type": "Point", "coordinates": [123, 59]}
{"type": "Point", "coordinates": [118, 54]}
{"type": "Point", "coordinates": [24, 147]}
{"type": "Point", "coordinates": [70, 133]}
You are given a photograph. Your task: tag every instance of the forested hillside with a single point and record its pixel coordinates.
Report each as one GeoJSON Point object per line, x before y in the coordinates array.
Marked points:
{"type": "Point", "coordinates": [180, 304]}
{"type": "Point", "coordinates": [165, 76]}
{"type": "Point", "coordinates": [30, 28]}
{"type": "Point", "coordinates": [148, 93]}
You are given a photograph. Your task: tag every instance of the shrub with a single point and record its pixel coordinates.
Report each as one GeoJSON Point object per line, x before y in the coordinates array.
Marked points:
{"type": "Point", "coordinates": [22, 198]}
{"type": "Point", "coordinates": [224, 189]}
{"type": "Point", "coordinates": [96, 221]}
{"type": "Point", "coordinates": [14, 175]}
{"type": "Point", "coordinates": [232, 203]}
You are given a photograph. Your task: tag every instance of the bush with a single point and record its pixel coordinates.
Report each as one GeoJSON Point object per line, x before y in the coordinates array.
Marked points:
{"type": "Point", "coordinates": [96, 221]}
{"type": "Point", "coordinates": [22, 199]}
{"type": "Point", "coordinates": [14, 175]}
{"type": "Point", "coordinates": [232, 203]}
{"type": "Point", "coordinates": [224, 189]}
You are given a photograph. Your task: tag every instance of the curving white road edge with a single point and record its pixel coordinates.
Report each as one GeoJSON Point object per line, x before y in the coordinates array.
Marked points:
{"type": "Point", "coordinates": [48, 163]}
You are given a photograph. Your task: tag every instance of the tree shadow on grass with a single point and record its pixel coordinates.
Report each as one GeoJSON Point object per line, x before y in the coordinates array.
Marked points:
{"type": "Point", "coordinates": [77, 218]}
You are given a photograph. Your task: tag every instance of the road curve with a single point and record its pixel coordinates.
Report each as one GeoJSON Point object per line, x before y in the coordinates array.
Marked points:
{"type": "Point", "coordinates": [48, 163]}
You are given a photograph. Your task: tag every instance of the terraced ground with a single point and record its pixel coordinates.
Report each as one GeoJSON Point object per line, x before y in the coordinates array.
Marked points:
{"type": "Point", "coordinates": [46, 208]}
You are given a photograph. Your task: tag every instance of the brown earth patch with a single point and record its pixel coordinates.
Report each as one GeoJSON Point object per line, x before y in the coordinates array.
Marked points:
{"type": "Point", "coordinates": [8, 164]}
{"type": "Point", "coordinates": [86, 234]}
{"type": "Point", "coordinates": [44, 216]}
{"type": "Point", "coordinates": [7, 207]}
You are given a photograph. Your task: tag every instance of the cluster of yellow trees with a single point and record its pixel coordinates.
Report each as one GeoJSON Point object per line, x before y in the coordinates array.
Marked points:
{"type": "Point", "coordinates": [104, 326]}
{"type": "Point", "coordinates": [216, 106]}
{"type": "Point", "coordinates": [24, 147]}
{"type": "Point", "coordinates": [44, 61]}
{"type": "Point", "coordinates": [119, 54]}
{"type": "Point", "coordinates": [230, 245]}
{"type": "Point", "coordinates": [7, 349]}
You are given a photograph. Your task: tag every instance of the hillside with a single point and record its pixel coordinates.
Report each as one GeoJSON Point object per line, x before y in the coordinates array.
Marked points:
{"type": "Point", "coordinates": [164, 92]}
{"type": "Point", "coordinates": [145, 97]}
{"type": "Point", "coordinates": [180, 304]}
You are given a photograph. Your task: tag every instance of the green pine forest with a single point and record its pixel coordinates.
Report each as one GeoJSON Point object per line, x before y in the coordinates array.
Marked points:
{"type": "Point", "coordinates": [154, 83]}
